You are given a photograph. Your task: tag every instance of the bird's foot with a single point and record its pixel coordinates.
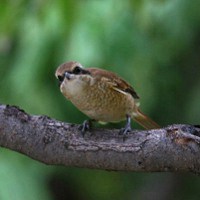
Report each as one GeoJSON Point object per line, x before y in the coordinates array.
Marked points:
{"type": "Point", "coordinates": [125, 131]}
{"type": "Point", "coordinates": [86, 126]}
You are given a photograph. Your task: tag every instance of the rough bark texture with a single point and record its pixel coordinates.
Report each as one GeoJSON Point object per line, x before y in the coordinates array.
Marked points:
{"type": "Point", "coordinates": [173, 148]}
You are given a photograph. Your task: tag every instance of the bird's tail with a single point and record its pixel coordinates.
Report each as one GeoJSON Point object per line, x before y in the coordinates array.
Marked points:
{"type": "Point", "coordinates": [145, 121]}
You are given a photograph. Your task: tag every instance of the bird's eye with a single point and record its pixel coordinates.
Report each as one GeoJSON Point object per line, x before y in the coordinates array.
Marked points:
{"type": "Point", "coordinates": [61, 78]}
{"type": "Point", "coordinates": [77, 70]}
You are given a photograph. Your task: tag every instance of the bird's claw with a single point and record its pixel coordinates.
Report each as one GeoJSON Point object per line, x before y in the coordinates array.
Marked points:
{"type": "Point", "coordinates": [85, 126]}
{"type": "Point", "coordinates": [125, 131]}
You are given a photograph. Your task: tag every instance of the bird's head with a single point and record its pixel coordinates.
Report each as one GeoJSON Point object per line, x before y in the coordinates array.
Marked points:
{"type": "Point", "coordinates": [72, 77]}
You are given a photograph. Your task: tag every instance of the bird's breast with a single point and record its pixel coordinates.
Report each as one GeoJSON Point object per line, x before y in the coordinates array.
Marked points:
{"type": "Point", "coordinates": [100, 102]}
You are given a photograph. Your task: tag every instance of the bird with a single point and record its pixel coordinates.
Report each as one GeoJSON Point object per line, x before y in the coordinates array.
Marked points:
{"type": "Point", "coordinates": [101, 95]}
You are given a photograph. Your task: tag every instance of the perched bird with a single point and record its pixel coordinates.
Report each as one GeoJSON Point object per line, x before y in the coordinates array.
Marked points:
{"type": "Point", "coordinates": [102, 95]}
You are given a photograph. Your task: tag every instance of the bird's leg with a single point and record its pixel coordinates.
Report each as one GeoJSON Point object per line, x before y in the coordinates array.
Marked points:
{"type": "Point", "coordinates": [124, 131]}
{"type": "Point", "coordinates": [86, 126]}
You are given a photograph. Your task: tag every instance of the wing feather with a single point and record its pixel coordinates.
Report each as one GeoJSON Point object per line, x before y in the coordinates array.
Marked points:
{"type": "Point", "coordinates": [116, 82]}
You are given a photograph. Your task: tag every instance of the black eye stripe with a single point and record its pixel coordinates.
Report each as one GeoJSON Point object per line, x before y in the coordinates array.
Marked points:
{"type": "Point", "coordinates": [61, 78]}
{"type": "Point", "coordinates": [78, 70]}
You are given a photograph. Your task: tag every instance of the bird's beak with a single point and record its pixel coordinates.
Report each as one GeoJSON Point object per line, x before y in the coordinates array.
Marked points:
{"type": "Point", "coordinates": [67, 75]}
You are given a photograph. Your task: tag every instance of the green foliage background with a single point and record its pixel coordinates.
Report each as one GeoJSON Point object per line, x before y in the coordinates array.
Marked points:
{"type": "Point", "coordinates": [154, 44]}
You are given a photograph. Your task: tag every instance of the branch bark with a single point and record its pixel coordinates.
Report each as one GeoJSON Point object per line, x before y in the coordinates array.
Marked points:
{"type": "Point", "coordinates": [173, 148]}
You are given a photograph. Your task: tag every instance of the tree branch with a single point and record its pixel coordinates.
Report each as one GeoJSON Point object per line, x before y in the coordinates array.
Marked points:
{"type": "Point", "coordinates": [174, 148]}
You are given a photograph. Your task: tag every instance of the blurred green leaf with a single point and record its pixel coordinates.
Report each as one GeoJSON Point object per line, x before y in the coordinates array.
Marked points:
{"type": "Point", "coordinates": [153, 44]}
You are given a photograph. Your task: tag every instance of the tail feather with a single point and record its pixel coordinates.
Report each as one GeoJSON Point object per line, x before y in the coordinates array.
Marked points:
{"type": "Point", "coordinates": [145, 121]}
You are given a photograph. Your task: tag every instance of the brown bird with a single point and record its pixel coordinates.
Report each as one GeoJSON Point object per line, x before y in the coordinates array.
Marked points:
{"type": "Point", "coordinates": [102, 95]}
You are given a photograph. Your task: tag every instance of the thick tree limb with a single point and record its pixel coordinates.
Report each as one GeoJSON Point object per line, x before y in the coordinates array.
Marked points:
{"type": "Point", "coordinates": [174, 148]}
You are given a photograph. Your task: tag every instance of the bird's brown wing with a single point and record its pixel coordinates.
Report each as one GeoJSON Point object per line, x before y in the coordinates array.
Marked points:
{"type": "Point", "coordinates": [116, 82]}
